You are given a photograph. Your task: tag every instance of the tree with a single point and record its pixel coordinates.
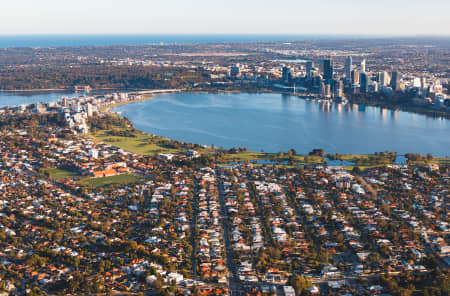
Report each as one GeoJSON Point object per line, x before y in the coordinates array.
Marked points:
{"type": "Point", "coordinates": [157, 284]}
{"type": "Point", "coordinates": [356, 170]}
{"type": "Point", "coordinates": [300, 284]}
{"type": "Point", "coordinates": [317, 152]}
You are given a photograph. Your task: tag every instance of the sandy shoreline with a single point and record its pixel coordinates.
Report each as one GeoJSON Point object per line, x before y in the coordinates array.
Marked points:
{"type": "Point", "coordinates": [107, 109]}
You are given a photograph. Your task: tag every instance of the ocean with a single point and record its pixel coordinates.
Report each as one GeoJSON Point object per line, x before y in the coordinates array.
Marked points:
{"type": "Point", "coordinates": [7, 41]}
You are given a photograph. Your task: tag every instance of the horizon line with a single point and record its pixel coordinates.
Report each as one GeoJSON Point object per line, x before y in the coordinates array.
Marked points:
{"type": "Point", "coordinates": [228, 34]}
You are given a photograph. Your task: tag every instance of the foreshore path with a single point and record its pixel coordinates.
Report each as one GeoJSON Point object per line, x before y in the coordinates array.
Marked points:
{"type": "Point", "coordinates": [158, 91]}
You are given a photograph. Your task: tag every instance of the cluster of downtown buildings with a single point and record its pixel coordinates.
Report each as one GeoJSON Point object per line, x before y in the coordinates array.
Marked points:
{"type": "Point", "coordinates": [329, 84]}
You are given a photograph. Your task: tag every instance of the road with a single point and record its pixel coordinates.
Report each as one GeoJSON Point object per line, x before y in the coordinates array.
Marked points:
{"type": "Point", "coordinates": [234, 284]}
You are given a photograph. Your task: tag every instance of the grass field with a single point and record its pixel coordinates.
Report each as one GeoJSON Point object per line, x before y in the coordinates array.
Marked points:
{"type": "Point", "coordinates": [106, 181]}
{"type": "Point", "coordinates": [58, 174]}
{"type": "Point", "coordinates": [142, 144]}
{"type": "Point", "coordinates": [435, 160]}
{"type": "Point", "coordinates": [250, 156]}
{"type": "Point", "coordinates": [367, 160]}
{"type": "Point", "coordinates": [362, 167]}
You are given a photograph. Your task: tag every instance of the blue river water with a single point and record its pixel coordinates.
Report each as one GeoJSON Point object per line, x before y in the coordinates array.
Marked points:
{"type": "Point", "coordinates": [273, 123]}
{"type": "Point", "coordinates": [19, 98]}
{"type": "Point", "coordinates": [28, 97]}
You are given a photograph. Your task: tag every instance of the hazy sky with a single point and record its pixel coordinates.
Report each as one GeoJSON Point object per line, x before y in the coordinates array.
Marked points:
{"type": "Point", "coordinates": [385, 17]}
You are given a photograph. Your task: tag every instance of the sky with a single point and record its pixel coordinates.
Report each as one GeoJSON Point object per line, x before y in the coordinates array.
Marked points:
{"type": "Point", "coordinates": [340, 17]}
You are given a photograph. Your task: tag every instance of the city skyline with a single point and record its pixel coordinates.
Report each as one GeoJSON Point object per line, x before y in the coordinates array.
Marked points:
{"type": "Point", "coordinates": [284, 17]}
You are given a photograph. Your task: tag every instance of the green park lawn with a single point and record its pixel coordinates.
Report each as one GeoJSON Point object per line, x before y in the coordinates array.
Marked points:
{"type": "Point", "coordinates": [142, 143]}
{"type": "Point", "coordinates": [106, 181]}
{"type": "Point", "coordinates": [250, 156]}
{"type": "Point", "coordinates": [59, 174]}
{"type": "Point", "coordinates": [366, 159]}
{"type": "Point", "coordinates": [435, 160]}
{"type": "Point", "coordinates": [363, 167]}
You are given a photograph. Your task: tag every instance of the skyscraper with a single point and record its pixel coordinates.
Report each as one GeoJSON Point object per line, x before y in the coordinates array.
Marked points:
{"type": "Point", "coordinates": [364, 82]}
{"type": "Point", "coordinates": [348, 67]}
{"type": "Point", "coordinates": [327, 70]}
{"type": "Point", "coordinates": [375, 86]}
{"type": "Point", "coordinates": [384, 79]}
{"type": "Point", "coordinates": [424, 82]}
{"type": "Point", "coordinates": [355, 77]}
{"type": "Point", "coordinates": [395, 81]}
{"type": "Point", "coordinates": [338, 88]}
{"type": "Point", "coordinates": [90, 109]}
{"type": "Point", "coordinates": [286, 75]}
{"type": "Point", "coordinates": [363, 66]}
{"type": "Point", "coordinates": [325, 90]}
{"type": "Point", "coordinates": [309, 66]}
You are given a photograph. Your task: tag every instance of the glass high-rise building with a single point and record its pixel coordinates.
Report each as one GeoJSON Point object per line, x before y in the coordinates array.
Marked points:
{"type": "Point", "coordinates": [309, 67]}
{"type": "Point", "coordinates": [348, 67]}
{"type": "Point", "coordinates": [364, 82]}
{"type": "Point", "coordinates": [363, 66]}
{"type": "Point", "coordinates": [395, 80]}
{"type": "Point", "coordinates": [327, 70]}
{"type": "Point", "coordinates": [286, 75]}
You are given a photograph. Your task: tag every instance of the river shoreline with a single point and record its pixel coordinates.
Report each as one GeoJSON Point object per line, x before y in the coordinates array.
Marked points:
{"type": "Point", "coordinates": [250, 142]}
{"type": "Point", "coordinates": [107, 109]}
{"type": "Point", "coordinates": [435, 113]}
{"type": "Point", "coordinates": [150, 94]}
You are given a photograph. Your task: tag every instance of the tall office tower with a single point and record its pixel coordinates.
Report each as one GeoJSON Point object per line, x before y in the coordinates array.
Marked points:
{"type": "Point", "coordinates": [423, 81]}
{"type": "Point", "coordinates": [309, 67]}
{"type": "Point", "coordinates": [375, 87]}
{"type": "Point", "coordinates": [384, 78]}
{"type": "Point", "coordinates": [338, 88]}
{"type": "Point", "coordinates": [355, 77]}
{"type": "Point", "coordinates": [395, 81]}
{"type": "Point", "coordinates": [363, 66]}
{"type": "Point", "coordinates": [323, 89]}
{"type": "Point", "coordinates": [348, 67]}
{"type": "Point", "coordinates": [90, 110]}
{"type": "Point", "coordinates": [327, 70]}
{"type": "Point", "coordinates": [328, 87]}
{"type": "Point", "coordinates": [364, 82]}
{"type": "Point", "coordinates": [286, 75]}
